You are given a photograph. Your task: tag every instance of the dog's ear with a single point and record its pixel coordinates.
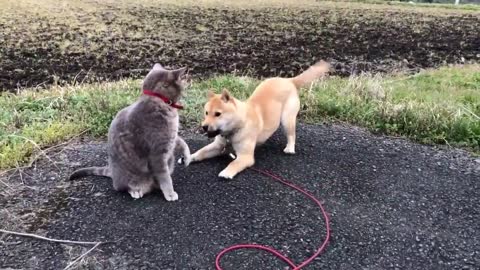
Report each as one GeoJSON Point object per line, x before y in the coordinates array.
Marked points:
{"type": "Point", "coordinates": [226, 97]}
{"type": "Point", "coordinates": [210, 94]}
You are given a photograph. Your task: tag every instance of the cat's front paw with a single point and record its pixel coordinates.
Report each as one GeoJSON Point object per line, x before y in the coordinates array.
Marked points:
{"type": "Point", "coordinates": [185, 161]}
{"type": "Point", "coordinates": [180, 161]}
{"type": "Point", "coordinates": [136, 194]}
{"type": "Point", "coordinates": [173, 196]}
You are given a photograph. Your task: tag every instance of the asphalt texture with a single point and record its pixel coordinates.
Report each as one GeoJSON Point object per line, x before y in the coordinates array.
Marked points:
{"type": "Point", "coordinates": [392, 204]}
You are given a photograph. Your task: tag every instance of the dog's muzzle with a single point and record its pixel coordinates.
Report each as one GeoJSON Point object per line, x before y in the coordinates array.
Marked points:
{"type": "Point", "coordinates": [213, 133]}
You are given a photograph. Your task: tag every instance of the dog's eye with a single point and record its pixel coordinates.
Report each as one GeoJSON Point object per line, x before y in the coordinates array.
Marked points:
{"type": "Point", "coordinates": [217, 114]}
{"type": "Point", "coordinates": [206, 113]}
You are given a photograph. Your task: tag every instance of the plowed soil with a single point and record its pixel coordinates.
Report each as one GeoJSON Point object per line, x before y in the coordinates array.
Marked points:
{"type": "Point", "coordinates": [123, 41]}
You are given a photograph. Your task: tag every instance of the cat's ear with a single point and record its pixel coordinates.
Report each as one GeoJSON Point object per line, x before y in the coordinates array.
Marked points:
{"type": "Point", "coordinates": [154, 77]}
{"type": "Point", "coordinates": [226, 97]}
{"type": "Point", "coordinates": [157, 66]}
{"type": "Point", "coordinates": [210, 94]}
{"type": "Point", "coordinates": [178, 74]}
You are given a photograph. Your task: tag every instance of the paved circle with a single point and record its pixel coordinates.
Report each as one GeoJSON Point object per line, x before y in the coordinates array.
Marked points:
{"type": "Point", "coordinates": [392, 204]}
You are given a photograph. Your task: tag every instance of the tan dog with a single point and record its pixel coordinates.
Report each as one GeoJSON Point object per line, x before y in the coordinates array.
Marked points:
{"type": "Point", "coordinates": [246, 124]}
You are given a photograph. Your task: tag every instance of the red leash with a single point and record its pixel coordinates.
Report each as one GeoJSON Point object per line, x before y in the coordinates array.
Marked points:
{"type": "Point", "coordinates": [273, 251]}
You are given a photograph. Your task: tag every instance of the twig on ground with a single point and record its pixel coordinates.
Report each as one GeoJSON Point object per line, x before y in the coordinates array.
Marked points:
{"type": "Point", "coordinates": [42, 152]}
{"type": "Point", "coordinates": [46, 150]}
{"type": "Point", "coordinates": [8, 186]}
{"type": "Point", "coordinates": [96, 244]}
{"type": "Point", "coordinates": [12, 169]}
{"type": "Point", "coordinates": [67, 142]}
{"type": "Point", "coordinates": [20, 173]}
{"type": "Point", "coordinates": [10, 176]}
{"type": "Point", "coordinates": [82, 256]}
{"type": "Point", "coordinates": [9, 243]}
{"type": "Point", "coordinates": [52, 239]}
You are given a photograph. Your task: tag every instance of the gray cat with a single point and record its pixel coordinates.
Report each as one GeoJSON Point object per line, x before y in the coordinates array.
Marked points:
{"type": "Point", "coordinates": [143, 137]}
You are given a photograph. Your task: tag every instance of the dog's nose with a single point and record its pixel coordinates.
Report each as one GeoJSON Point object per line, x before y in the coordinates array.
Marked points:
{"type": "Point", "coordinates": [205, 128]}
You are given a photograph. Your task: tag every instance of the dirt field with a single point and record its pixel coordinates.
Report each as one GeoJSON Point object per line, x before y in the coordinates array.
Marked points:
{"type": "Point", "coordinates": [48, 42]}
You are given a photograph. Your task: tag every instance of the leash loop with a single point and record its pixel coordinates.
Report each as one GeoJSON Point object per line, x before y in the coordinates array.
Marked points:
{"type": "Point", "coordinates": [273, 251]}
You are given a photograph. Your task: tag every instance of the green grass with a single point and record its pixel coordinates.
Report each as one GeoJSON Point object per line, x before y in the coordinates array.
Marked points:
{"type": "Point", "coordinates": [441, 106]}
{"type": "Point", "coordinates": [435, 106]}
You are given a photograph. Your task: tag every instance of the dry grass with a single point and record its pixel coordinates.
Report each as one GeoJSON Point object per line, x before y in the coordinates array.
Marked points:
{"type": "Point", "coordinates": [87, 262]}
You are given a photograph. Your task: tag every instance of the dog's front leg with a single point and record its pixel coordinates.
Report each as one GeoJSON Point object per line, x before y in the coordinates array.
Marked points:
{"type": "Point", "coordinates": [212, 150]}
{"type": "Point", "coordinates": [245, 158]}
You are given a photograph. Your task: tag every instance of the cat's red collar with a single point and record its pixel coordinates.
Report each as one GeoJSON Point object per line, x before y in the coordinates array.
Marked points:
{"type": "Point", "coordinates": [164, 98]}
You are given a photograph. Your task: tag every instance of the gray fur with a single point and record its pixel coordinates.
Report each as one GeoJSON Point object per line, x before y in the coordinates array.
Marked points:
{"type": "Point", "coordinates": [142, 139]}
{"type": "Point", "coordinates": [90, 171]}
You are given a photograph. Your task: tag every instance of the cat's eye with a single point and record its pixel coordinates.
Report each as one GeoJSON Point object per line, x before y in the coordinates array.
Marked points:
{"type": "Point", "coordinates": [217, 114]}
{"type": "Point", "coordinates": [206, 113]}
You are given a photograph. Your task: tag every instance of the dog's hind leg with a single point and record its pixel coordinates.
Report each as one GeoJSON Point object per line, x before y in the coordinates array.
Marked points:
{"type": "Point", "coordinates": [289, 119]}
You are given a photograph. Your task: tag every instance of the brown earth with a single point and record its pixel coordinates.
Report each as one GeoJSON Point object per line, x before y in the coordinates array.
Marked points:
{"type": "Point", "coordinates": [118, 42]}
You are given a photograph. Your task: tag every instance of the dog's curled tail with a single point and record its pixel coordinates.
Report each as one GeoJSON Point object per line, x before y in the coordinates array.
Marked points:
{"type": "Point", "coordinates": [311, 74]}
{"type": "Point", "coordinates": [90, 171]}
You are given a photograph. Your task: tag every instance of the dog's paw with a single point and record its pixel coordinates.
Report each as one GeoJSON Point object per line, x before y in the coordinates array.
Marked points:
{"type": "Point", "coordinates": [194, 157]}
{"type": "Point", "coordinates": [173, 196]}
{"type": "Point", "coordinates": [289, 150]}
{"type": "Point", "coordinates": [226, 174]}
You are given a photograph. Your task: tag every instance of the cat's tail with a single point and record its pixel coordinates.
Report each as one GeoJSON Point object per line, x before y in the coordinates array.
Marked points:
{"type": "Point", "coordinates": [91, 171]}
{"type": "Point", "coordinates": [314, 72]}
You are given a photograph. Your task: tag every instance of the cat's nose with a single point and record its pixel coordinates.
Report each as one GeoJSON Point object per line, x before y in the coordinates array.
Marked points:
{"type": "Point", "coordinates": [205, 128]}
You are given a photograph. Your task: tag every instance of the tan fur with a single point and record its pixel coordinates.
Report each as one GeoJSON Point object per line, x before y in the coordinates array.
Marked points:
{"type": "Point", "coordinates": [246, 124]}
